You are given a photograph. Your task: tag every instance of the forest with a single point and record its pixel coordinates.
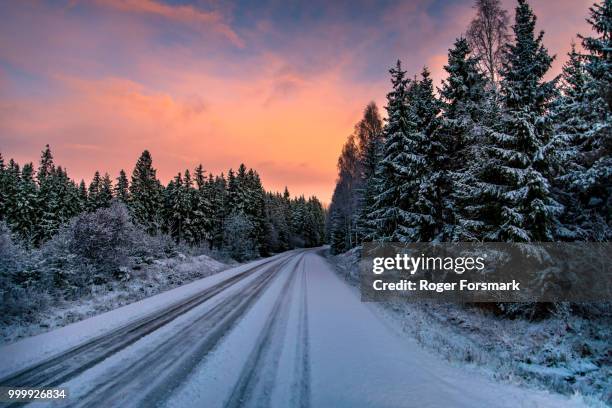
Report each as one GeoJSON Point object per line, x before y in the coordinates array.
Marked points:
{"type": "Point", "coordinates": [59, 237]}
{"type": "Point", "coordinates": [497, 154]}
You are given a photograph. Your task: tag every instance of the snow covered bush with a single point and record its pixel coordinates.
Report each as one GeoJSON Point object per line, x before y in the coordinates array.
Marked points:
{"type": "Point", "coordinates": [11, 254]}
{"type": "Point", "coordinates": [92, 249]}
{"type": "Point", "coordinates": [237, 241]}
{"type": "Point", "coordinates": [20, 293]}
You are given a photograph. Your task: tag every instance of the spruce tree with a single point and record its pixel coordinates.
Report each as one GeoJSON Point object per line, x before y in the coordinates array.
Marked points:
{"type": "Point", "coordinates": [423, 185]}
{"type": "Point", "coordinates": [203, 212]}
{"type": "Point", "coordinates": [370, 134]}
{"type": "Point", "coordinates": [221, 209]}
{"type": "Point", "coordinates": [344, 202]}
{"type": "Point", "coordinates": [172, 214]}
{"type": "Point", "coordinates": [46, 164]}
{"type": "Point", "coordinates": [24, 218]}
{"type": "Point", "coordinates": [516, 178]}
{"type": "Point", "coordinates": [105, 196]}
{"type": "Point", "coordinates": [188, 207]}
{"type": "Point", "coordinates": [576, 124]}
{"type": "Point", "coordinates": [285, 221]}
{"type": "Point", "coordinates": [599, 56]}
{"type": "Point", "coordinates": [232, 191]}
{"type": "Point", "coordinates": [461, 131]}
{"type": "Point", "coordinates": [58, 202]}
{"type": "Point", "coordinates": [178, 208]}
{"type": "Point", "coordinates": [48, 199]}
{"type": "Point", "coordinates": [254, 198]}
{"type": "Point", "coordinates": [93, 192]}
{"type": "Point", "coordinates": [146, 194]}
{"type": "Point", "coordinates": [591, 181]}
{"type": "Point", "coordinates": [83, 197]}
{"type": "Point", "coordinates": [3, 189]}
{"type": "Point", "coordinates": [385, 214]}
{"type": "Point", "coordinates": [12, 176]}
{"type": "Point", "coordinates": [122, 187]}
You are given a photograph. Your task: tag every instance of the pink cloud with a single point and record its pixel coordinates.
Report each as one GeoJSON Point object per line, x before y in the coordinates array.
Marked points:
{"type": "Point", "coordinates": [114, 91]}
{"type": "Point", "coordinates": [182, 13]}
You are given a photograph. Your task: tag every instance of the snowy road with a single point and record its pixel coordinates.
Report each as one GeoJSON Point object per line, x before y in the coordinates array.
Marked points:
{"type": "Point", "coordinates": [282, 332]}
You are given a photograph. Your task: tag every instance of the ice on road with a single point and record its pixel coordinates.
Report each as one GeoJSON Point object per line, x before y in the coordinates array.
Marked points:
{"type": "Point", "coordinates": [281, 332]}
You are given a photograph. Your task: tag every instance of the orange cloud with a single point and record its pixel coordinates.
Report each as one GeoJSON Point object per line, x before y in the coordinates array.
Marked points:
{"type": "Point", "coordinates": [105, 124]}
{"type": "Point", "coordinates": [182, 13]}
{"type": "Point", "coordinates": [102, 90]}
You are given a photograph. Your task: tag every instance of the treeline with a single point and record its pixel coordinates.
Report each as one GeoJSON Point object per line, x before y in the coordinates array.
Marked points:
{"type": "Point", "coordinates": [233, 214]}
{"type": "Point", "coordinates": [497, 154]}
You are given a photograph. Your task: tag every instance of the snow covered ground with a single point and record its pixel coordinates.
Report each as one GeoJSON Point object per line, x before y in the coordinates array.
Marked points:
{"type": "Point", "coordinates": [567, 354]}
{"type": "Point", "coordinates": [281, 332]}
{"type": "Point", "coordinates": [160, 275]}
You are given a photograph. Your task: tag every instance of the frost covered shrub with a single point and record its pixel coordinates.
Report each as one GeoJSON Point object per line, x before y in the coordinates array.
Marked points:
{"type": "Point", "coordinates": [20, 293]}
{"type": "Point", "coordinates": [147, 247]}
{"type": "Point", "coordinates": [91, 249]}
{"type": "Point", "coordinates": [12, 257]}
{"type": "Point", "coordinates": [103, 238]}
{"type": "Point", "coordinates": [237, 241]}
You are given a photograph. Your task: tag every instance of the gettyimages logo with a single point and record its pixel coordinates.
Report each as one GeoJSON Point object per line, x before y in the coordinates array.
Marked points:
{"type": "Point", "coordinates": [487, 272]}
{"type": "Point", "coordinates": [413, 264]}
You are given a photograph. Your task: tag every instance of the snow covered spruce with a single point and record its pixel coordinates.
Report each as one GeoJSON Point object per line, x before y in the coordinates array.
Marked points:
{"type": "Point", "coordinates": [499, 155]}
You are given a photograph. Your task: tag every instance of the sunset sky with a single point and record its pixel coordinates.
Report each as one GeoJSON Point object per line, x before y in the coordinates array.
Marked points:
{"type": "Point", "coordinates": [277, 85]}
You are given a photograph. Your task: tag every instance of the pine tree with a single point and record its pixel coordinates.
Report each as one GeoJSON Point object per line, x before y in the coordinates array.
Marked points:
{"type": "Point", "coordinates": [48, 199]}
{"type": "Point", "coordinates": [188, 207]}
{"type": "Point", "coordinates": [515, 181]}
{"type": "Point", "coordinates": [93, 192]}
{"type": "Point", "coordinates": [219, 202]}
{"type": "Point", "coordinates": [239, 191]}
{"type": "Point", "coordinates": [314, 223]}
{"type": "Point", "coordinates": [46, 164]}
{"type": "Point", "coordinates": [146, 194]}
{"type": "Point", "coordinates": [25, 215]}
{"type": "Point", "coordinates": [386, 213]}
{"type": "Point", "coordinates": [232, 191]}
{"type": "Point", "coordinates": [461, 131]}
{"type": "Point", "coordinates": [576, 125]}
{"type": "Point", "coordinates": [370, 135]}
{"type": "Point", "coordinates": [72, 203]}
{"type": "Point", "coordinates": [12, 176]}
{"type": "Point", "coordinates": [591, 180]}
{"type": "Point", "coordinates": [599, 57]}
{"type": "Point", "coordinates": [105, 196]}
{"type": "Point", "coordinates": [122, 187]}
{"type": "Point", "coordinates": [203, 211]}
{"type": "Point", "coordinates": [285, 221]}
{"type": "Point", "coordinates": [255, 209]}
{"type": "Point", "coordinates": [421, 192]}
{"type": "Point", "coordinates": [83, 197]}
{"type": "Point", "coordinates": [178, 207]}
{"type": "Point", "coordinates": [58, 202]}
{"type": "Point", "coordinates": [345, 198]}
{"type": "Point", "coordinates": [3, 189]}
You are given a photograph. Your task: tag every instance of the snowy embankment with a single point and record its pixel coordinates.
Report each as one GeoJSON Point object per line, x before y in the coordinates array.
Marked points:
{"type": "Point", "coordinates": [34, 349]}
{"type": "Point", "coordinates": [567, 354]}
{"type": "Point", "coordinates": [159, 276]}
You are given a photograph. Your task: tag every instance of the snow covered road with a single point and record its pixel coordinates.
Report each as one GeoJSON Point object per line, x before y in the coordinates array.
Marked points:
{"type": "Point", "coordinates": [280, 332]}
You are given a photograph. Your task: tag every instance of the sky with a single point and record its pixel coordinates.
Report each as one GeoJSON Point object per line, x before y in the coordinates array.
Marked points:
{"type": "Point", "coordinates": [275, 84]}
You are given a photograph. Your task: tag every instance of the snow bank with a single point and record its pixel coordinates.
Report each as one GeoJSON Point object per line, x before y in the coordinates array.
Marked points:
{"type": "Point", "coordinates": [34, 349]}
{"type": "Point", "coordinates": [160, 275]}
{"type": "Point", "coordinates": [567, 354]}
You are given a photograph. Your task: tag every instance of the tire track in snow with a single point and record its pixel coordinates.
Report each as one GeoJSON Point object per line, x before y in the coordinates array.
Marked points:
{"type": "Point", "coordinates": [257, 378]}
{"type": "Point", "coordinates": [164, 368]}
{"type": "Point", "coordinates": [67, 365]}
{"type": "Point", "coordinates": [300, 387]}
